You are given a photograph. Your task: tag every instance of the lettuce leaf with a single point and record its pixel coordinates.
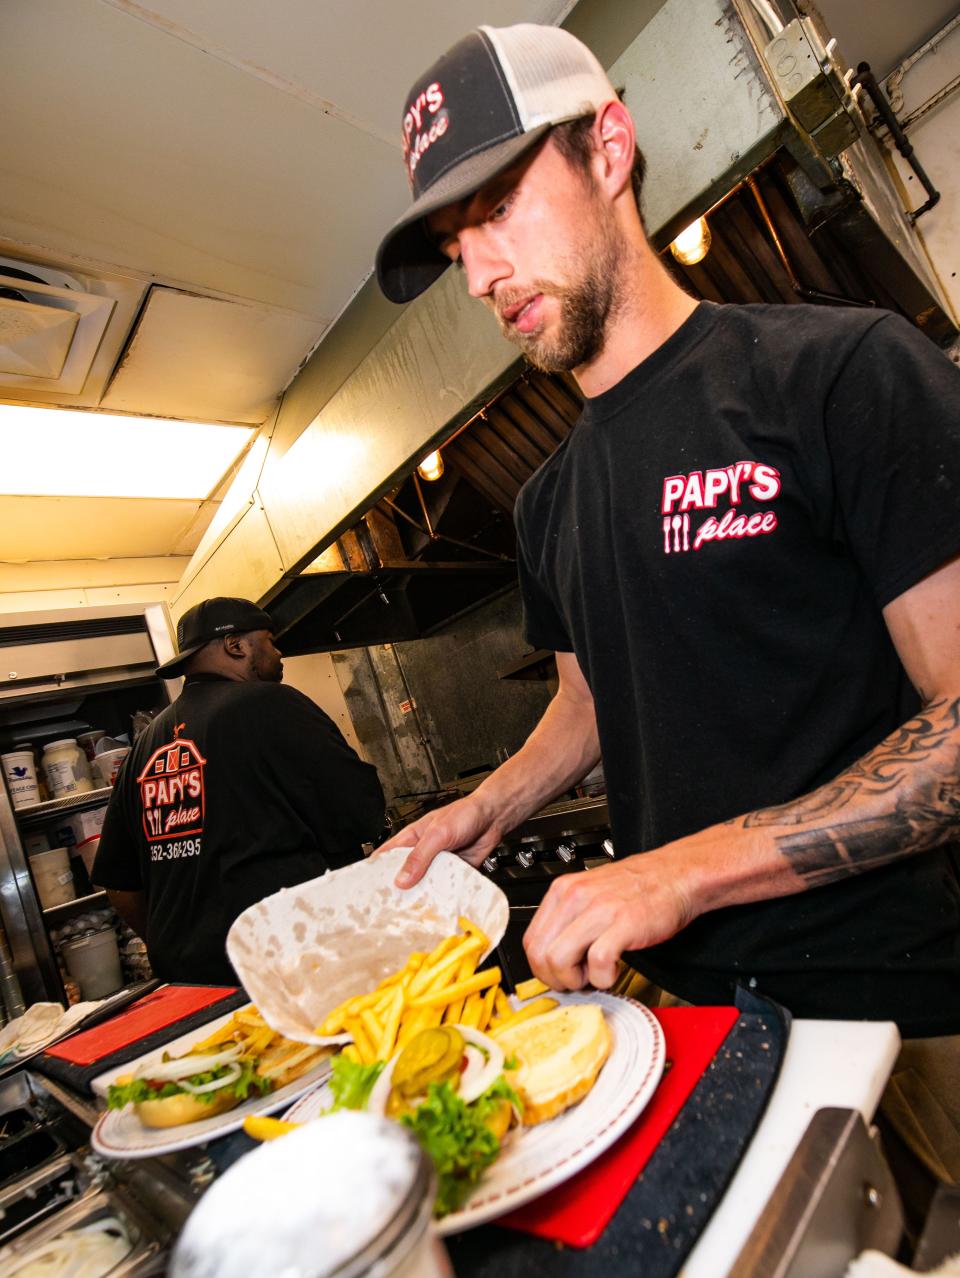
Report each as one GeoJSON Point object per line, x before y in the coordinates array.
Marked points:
{"type": "Point", "coordinates": [456, 1137]}
{"type": "Point", "coordinates": [140, 1089]}
{"type": "Point", "coordinates": [352, 1083]}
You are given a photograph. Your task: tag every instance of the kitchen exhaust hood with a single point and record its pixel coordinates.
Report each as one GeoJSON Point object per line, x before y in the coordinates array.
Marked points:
{"type": "Point", "coordinates": [746, 115]}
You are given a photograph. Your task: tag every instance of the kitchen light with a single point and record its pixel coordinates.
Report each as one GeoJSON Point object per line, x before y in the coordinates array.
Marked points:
{"type": "Point", "coordinates": [431, 467]}
{"type": "Point", "coordinates": [54, 452]}
{"type": "Point", "coordinates": [693, 243]}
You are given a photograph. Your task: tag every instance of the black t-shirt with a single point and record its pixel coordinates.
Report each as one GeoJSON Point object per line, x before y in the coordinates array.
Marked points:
{"type": "Point", "coordinates": [715, 541]}
{"type": "Point", "coordinates": [233, 792]}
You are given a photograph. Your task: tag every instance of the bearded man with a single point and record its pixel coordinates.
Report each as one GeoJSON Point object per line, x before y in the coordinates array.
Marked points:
{"type": "Point", "coordinates": [745, 559]}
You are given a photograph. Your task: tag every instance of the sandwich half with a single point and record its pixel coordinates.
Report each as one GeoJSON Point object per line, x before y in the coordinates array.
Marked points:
{"type": "Point", "coordinates": [558, 1056]}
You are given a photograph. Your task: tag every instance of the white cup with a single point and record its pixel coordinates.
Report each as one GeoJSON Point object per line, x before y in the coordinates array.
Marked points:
{"type": "Point", "coordinates": [108, 763]}
{"type": "Point", "coordinates": [20, 770]}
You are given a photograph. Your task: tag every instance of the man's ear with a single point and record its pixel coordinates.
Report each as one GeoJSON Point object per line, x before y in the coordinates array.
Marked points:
{"type": "Point", "coordinates": [614, 140]}
{"type": "Point", "coordinates": [236, 647]}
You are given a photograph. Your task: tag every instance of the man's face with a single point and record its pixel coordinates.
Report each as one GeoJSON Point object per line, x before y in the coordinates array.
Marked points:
{"type": "Point", "coordinates": [266, 664]}
{"type": "Point", "coordinates": [541, 248]}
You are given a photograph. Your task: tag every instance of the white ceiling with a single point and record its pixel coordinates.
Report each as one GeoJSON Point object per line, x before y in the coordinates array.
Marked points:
{"type": "Point", "coordinates": [230, 167]}
{"type": "Point", "coordinates": [226, 169]}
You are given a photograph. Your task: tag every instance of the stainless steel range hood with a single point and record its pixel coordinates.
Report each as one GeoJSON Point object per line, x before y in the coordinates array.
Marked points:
{"type": "Point", "coordinates": [717, 90]}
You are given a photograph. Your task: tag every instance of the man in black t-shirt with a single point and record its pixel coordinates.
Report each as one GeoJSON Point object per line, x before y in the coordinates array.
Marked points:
{"type": "Point", "coordinates": [237, 789]}
{"type": "Point", "coordinates": [745, 557]}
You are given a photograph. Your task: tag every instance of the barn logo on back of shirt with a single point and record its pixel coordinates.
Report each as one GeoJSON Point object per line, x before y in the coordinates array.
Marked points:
{"type": "Point", "coordinates": [172, 796]}
{"type": "Point", "coordinates": [686, 498]}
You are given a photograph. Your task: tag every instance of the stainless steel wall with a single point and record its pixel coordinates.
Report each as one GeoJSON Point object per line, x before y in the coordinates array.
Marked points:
{"type": "Point", "coordinates": [429, 710]}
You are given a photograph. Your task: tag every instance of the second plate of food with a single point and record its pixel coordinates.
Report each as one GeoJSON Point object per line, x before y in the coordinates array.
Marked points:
{"type": "Point", "coordinates": [119, 1133]}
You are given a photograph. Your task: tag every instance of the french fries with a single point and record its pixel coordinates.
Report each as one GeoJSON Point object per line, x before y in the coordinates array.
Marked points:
{"type": "Point", "coordinates": [261, 1044]}
{"type": "Point", "coordinates": [442, 987]}
{"type": "Point", "coordinates": [530, 989]}
{"type": "Point", "coordinates": [525, 1014]}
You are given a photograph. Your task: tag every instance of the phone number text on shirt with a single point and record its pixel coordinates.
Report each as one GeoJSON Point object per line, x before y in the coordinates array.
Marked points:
{"type": "Point", "coordinates": [174, 851]}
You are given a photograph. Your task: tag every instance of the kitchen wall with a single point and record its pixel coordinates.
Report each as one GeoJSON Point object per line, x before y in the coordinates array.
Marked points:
{"type": "Point", "coordinates": [79, 583]}
{"type": "Point", "coordinates": [428, 711]}
{"type": "Point", "coordinates": [315, 676]}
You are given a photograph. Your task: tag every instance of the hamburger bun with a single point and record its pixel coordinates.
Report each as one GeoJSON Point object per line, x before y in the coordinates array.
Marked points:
{"type": "Point", "coordinates": [173, 1111]}
{"type": "Point", "coordinates": [559, 1056]}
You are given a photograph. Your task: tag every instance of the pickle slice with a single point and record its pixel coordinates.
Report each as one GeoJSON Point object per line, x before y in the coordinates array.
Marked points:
{"type": "Point", "coordinates": [432, 1056]}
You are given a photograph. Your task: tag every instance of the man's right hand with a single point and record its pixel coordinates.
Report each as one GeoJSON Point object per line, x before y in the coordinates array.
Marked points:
{"type": "Point", "coordinates": [465, 826]}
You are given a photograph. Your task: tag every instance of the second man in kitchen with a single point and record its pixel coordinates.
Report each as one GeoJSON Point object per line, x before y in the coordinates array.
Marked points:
{"type": "Point", "coordinates": [237, 789]}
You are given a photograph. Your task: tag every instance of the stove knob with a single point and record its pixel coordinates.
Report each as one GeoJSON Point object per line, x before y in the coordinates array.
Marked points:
{"type": "Point", "coordinates": [567, 852]}
{"type": "Point", "coordinates": [526, 857]}
{"type": "Point", "coordinates": [607, 848]}
{"type": "Point", "coordinates": [500, 853]}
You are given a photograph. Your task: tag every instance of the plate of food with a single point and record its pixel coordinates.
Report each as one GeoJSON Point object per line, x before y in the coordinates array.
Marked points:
{"type": "Point", "coordinates": [509, 1096]}
{"type": "Point", "coordinates": [203, 1085]}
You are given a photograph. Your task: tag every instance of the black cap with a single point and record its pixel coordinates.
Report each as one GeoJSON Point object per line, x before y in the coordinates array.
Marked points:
{"type": "Point", "coordinates": [488, 100]}
{"type": "Point", "coordinates": [212, 619]}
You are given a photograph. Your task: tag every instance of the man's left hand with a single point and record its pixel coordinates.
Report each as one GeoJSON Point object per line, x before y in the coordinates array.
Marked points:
{"type": "Point", "coordinates": [587, 920]}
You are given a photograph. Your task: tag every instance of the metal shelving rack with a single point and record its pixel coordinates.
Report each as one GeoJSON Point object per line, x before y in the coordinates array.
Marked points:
{"type": "Point", "coordinates": [25, 922]}
{"type": "Point", "coordinates": [39, 813]}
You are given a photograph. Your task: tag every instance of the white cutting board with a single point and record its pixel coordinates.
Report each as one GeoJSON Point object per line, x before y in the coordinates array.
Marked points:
{"type": "Point", "coordinates": [827, 1063]}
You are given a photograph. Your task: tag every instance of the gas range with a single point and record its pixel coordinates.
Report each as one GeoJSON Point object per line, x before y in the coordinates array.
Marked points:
{"type": "Point", "coordinates": [563, 838]}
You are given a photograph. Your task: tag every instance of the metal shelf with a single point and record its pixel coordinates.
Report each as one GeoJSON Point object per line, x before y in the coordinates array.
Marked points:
{"type": "Point", "coordinates": [54, 913]}
{"type": "Point", "coordinates": [37, 813]}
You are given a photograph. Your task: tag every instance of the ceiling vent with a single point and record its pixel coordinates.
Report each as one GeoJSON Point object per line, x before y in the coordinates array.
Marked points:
{"type": "Point", "coordinates": [50, 328]}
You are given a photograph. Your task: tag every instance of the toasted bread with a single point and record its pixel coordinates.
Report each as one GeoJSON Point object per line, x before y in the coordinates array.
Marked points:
{"type": "Point", "coordinates": [559, 1056]}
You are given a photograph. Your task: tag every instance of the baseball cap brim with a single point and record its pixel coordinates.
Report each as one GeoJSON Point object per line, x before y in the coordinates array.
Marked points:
{"type": "Point", "coordinates": [408, 261]}
{"type": "Point", "coordinates": [175, 665]}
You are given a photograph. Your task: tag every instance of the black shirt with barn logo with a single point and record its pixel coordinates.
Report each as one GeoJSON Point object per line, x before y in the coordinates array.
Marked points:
{"type": "Point", "coordinates": [716, 541]}
{"type": "Point", "coordinates": [233, 792]}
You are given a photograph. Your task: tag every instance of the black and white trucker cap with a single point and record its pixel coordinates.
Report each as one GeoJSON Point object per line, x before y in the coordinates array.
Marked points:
{"type": "Point", "coordinates": [470, 116]}
{"type": "Point", "coordinates": [212, 619]}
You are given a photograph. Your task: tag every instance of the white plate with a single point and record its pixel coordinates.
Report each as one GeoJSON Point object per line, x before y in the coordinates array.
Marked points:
{"type": "Point", "coordinates": [120, 1134]}
{"type": "Point", "coordinates": [538, 1158]}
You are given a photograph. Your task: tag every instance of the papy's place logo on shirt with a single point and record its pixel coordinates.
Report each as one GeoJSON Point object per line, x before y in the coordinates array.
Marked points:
{"type": "Point", "coordinates": [172, 791]}
{"type": "Point", "coordinates": [425, 121]}
{"type": "Point", "coordinates": [701, 490]}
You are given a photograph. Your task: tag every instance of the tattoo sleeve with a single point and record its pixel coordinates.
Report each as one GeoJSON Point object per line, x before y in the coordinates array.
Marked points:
{"type": "Point", "coordinates": [901, 798]}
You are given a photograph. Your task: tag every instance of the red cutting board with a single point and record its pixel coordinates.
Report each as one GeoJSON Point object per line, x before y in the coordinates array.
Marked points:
{"type": "Point", "coordinates": [165, 1006]}
{"type": "Point", "coordinates": [578, 1211]}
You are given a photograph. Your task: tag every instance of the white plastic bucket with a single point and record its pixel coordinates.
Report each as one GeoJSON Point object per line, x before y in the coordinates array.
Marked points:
{"type": "Point", "coordinates": [53, 877]}
{"type": "Point", "coordinates": [94, 963]}
{"type": "Point", "coordinates": [21, 772]}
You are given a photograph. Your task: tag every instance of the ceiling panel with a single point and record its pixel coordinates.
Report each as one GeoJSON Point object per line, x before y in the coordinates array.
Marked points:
{"type": "Point", "coordinates": [230, 358]}
{"type": "Point", "coordinates": [883, 32]}
{"type": "Point", "coordinates": [359, 55]}
{"type": "Point", "coordinates": [140, 150]}
{"type": "Point", "coordinates": [36, 528]}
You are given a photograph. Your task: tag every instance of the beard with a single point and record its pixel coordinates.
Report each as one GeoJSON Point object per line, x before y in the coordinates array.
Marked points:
{"type": "Point", "coordinates": [589, 296]}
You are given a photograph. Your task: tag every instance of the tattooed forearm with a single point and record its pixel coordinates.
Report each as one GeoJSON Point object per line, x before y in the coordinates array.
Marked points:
{"type": "Point", "coordinates": [901, 798]}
